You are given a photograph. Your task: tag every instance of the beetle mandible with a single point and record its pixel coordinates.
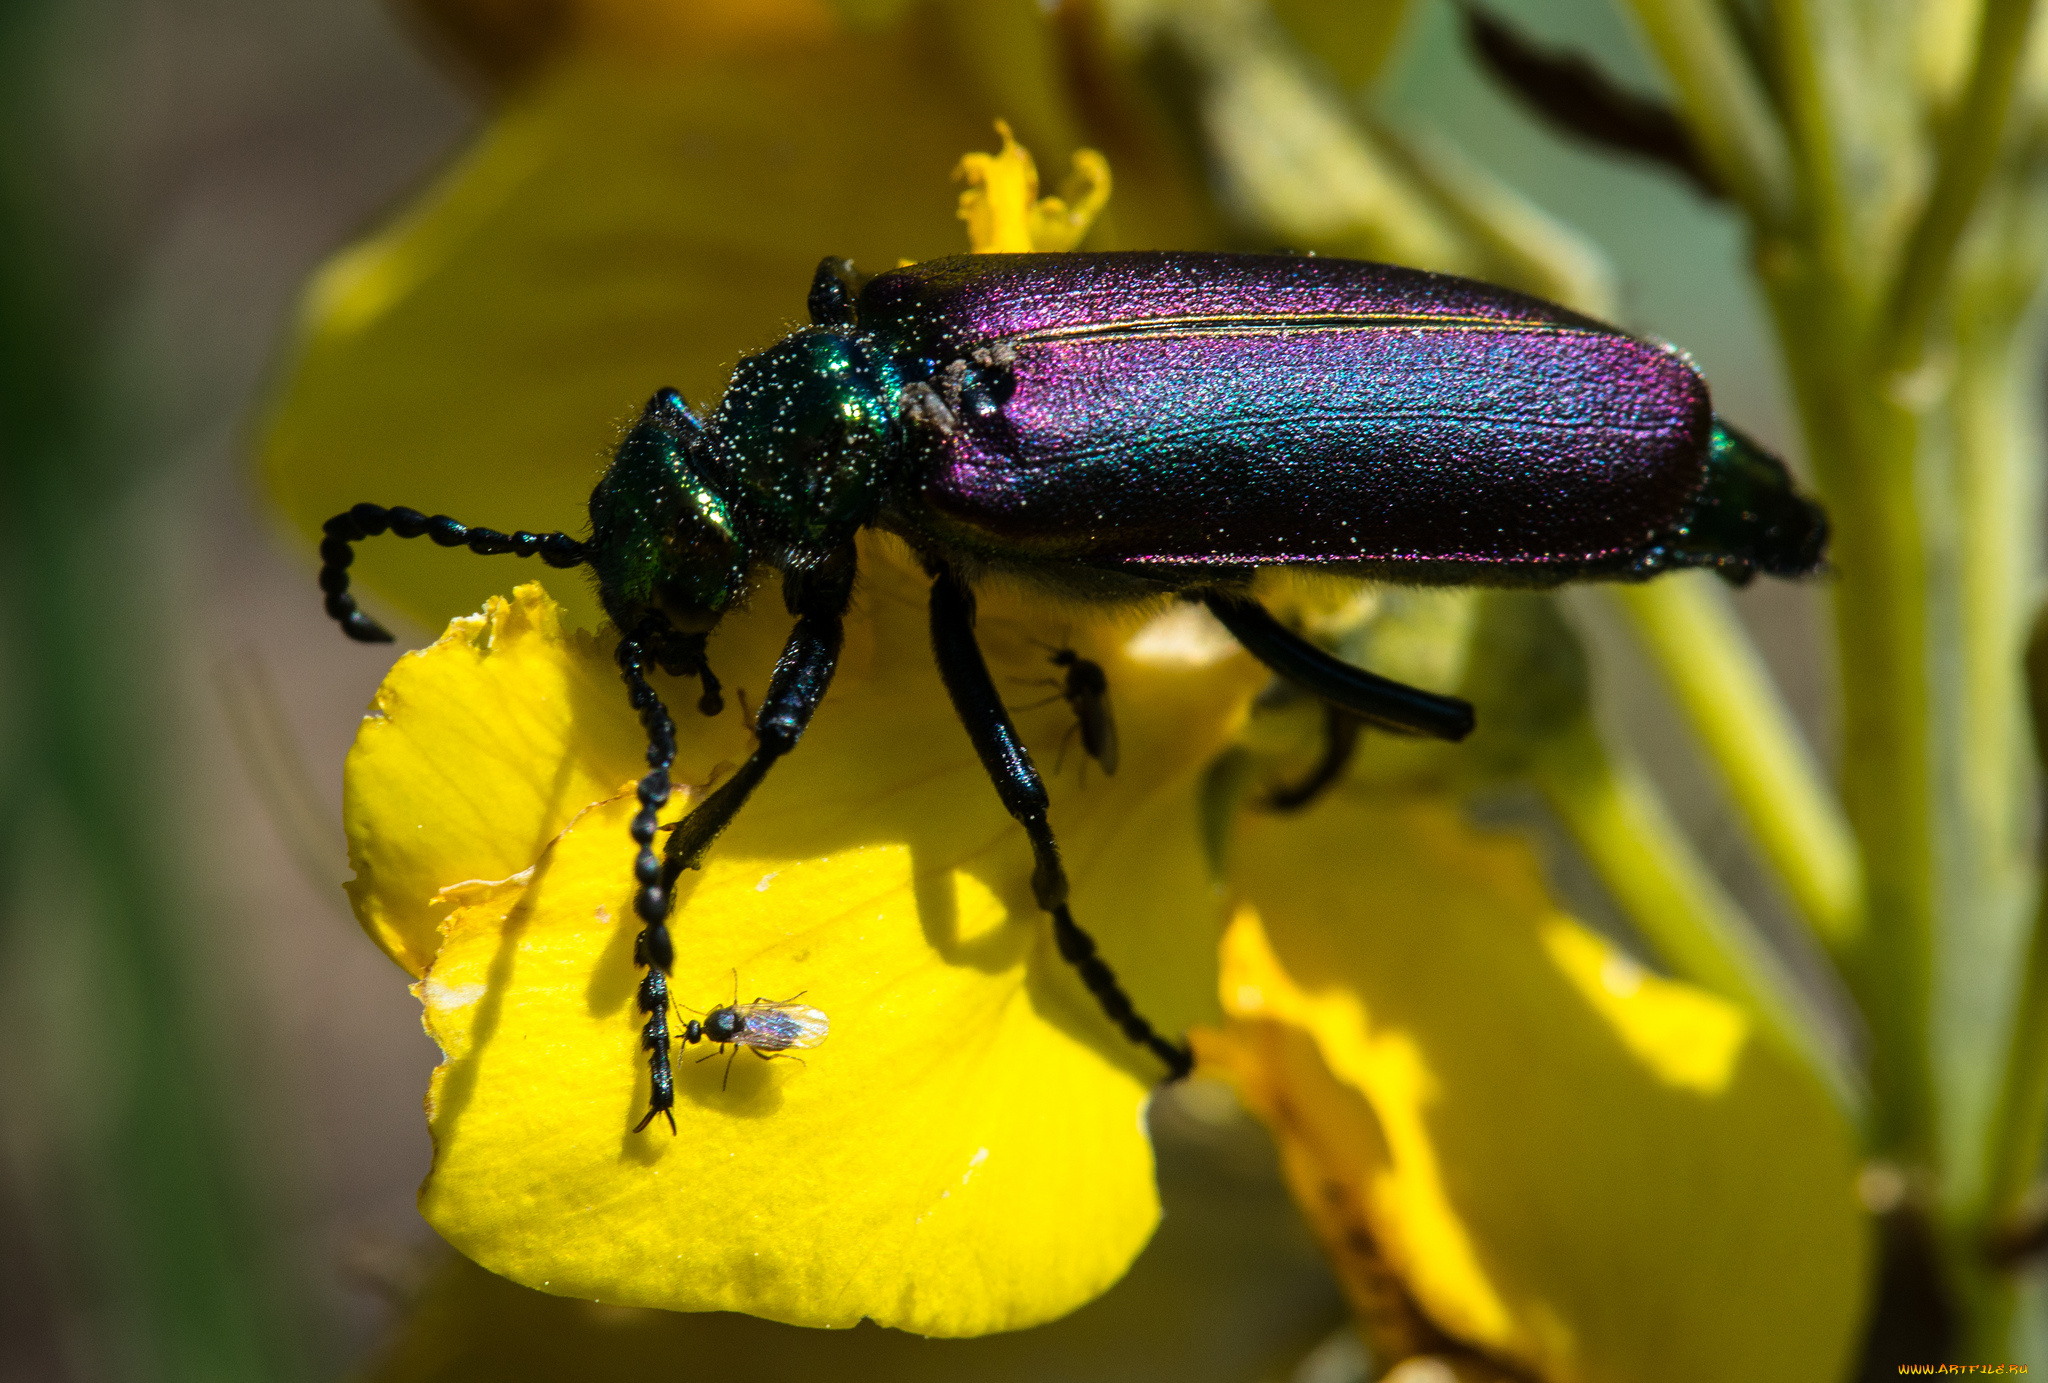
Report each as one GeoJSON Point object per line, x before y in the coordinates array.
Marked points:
{"type": "Point", "coordinates": [1112, 427]}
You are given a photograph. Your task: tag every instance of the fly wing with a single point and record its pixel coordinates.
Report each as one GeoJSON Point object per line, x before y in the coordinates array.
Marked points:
{"type": "Point", "coordinates": [1098, 732]}
{"type": "Point", "coordinates": [773, 1027]}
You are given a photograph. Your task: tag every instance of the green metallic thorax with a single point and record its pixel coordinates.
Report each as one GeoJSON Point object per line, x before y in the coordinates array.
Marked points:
{"type": "Point", "coordinates": [804, 433]}
{"type": "Point", "coordinates": [785, 472]}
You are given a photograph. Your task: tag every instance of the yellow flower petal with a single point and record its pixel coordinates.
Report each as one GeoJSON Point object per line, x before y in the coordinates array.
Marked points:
{"type": "Point", "coordinates": [475, 753]}
{"type": "Point", "coordinates": [965, 1152]}
{"type": "Point", "coordinates": [1569, 1164]}
{"type": "Point", "coordinates": [1005, 214]}
{"type": "Point", "coordinates": [1230, 1290]}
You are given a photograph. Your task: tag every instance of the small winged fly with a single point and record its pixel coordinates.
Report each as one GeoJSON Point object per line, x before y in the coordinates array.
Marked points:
{"type": "Point", "coordinates": [1086, 689]}
{"type": "Point", "coordinates": [768, 1027]}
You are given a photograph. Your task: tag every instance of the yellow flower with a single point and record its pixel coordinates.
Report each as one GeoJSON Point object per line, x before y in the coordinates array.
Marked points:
{"type": "Point", "coordinates": [1515, 1143]}
{"type": "Point", "coordinates": [966, 1152]}
{"type": "Point", "coordinates": [1005, 214]}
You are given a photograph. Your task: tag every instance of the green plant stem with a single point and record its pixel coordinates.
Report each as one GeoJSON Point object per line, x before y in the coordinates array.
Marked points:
{"type": "Point", "coordinates": [1810, 44]}
{"type": "Point", "coordinates": [1724, 104]}
{"type": "Point", "coordinates": [2021, 1127]}
{"type": "Point", "coordinates": [1863, 445]}
{"type": "Point", "coordinates": [1970, 149]}
{"type": "Point", "coordinates": [1693, 636]}
{"type": "Point", "coordinates": [1997, 451]}
{"type": "Point", "coordinates": [1998, 456]}
{"type": "Point", "coordinates": [1620, 822]}
{"type": "Point", "coordinates": [1983, 1282]}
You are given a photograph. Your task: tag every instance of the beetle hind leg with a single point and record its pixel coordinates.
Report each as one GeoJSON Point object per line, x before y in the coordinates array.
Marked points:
{"type": "Point", "coordinates": [1383, 702]}
{"type": "Point", "coordinates": [1341, 729]}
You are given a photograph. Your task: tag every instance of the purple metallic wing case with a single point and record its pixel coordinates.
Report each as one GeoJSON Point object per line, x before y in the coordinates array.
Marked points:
{"type": "Point", "coordinates": [1158, 410]}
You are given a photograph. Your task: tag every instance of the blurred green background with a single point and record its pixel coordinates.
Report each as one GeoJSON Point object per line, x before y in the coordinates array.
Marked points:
{"type": "Point", "coordinates": [209, 1083]}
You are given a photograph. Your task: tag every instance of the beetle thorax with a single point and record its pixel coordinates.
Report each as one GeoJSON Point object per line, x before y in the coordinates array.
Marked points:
{"type": "Point", "coordinates": [806, 432]}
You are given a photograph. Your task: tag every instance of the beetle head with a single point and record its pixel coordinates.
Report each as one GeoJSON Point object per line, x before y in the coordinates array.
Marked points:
{"type": "Point", "coordinates": [805, 431]}
{"type": "Point", "coordinates": [664, 538]}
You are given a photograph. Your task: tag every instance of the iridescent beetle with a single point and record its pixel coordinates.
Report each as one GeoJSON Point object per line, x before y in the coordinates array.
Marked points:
{"type": "Point", "coordinates": [1115, 427]}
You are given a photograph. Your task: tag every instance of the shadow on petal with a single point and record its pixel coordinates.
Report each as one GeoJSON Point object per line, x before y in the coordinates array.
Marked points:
{"type": "Point", "coordinates": [1568, 1164]}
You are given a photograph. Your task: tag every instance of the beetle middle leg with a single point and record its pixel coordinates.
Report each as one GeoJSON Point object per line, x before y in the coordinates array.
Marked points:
{"type": "Point", "coordinates": [1009, 767]}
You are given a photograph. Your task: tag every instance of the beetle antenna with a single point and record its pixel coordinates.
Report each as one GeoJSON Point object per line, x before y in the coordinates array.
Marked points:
{"type": "Point", "coordinates": [652, 948]}
{"type": "Point", "coordinates": [368, 520]}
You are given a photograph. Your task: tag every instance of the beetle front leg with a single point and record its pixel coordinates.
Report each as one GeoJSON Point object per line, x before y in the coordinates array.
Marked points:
{"type": "Point", "coordinates": [1008, 762]}
{"type": "Point", "coordinates": [798, 685]}
{"type": "Point", "coordinates": [802, 675]}
{"type": "Point", "coordinates": [1386, 703]}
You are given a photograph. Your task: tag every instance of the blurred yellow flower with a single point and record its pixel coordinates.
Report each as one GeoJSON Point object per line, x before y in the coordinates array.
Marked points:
{"type": "Point", "coordinates": [1511, 1139]}
{"type": "Point", "coordinates": [1005, 214]}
